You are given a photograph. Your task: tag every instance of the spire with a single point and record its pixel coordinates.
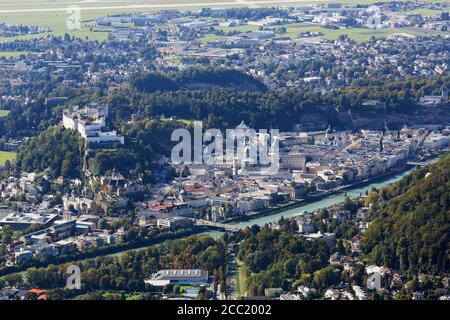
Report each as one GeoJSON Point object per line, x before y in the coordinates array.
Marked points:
{"type": "Point", "coordinates": [386, 129]}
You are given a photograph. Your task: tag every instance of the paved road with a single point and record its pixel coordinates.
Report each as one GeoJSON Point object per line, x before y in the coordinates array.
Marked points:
{"type": "Point", "coordinates": [251, 3]}
{"type": "Point", "coordinates": [231, 274]}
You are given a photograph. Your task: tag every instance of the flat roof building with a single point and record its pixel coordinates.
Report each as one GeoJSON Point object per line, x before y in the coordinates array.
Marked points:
{"type": "Point", "coordinates": [178, 276]}
{"type": "Point", "coordinates": [20, 220]}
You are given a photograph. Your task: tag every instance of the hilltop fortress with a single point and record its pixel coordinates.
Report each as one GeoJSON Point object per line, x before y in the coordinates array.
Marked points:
{"type": "Point", "coordinates": [90, 122]}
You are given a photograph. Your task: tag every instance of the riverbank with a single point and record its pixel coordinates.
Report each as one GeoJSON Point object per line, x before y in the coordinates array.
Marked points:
{"type": "Point", "coordinates": [327, 199]}
{"type": "Point", "coordinates": [316, 197]}
{"type": "Point", "coordinates": [274, 214]}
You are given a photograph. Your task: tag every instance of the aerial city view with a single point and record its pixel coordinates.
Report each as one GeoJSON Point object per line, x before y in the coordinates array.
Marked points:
{"type": "Point", "coordinates": [231, 150]}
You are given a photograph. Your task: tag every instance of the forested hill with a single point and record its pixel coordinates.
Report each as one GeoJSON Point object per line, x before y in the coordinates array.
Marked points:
{"type": "Point", "coordinates": [411, 228]}
{"type": "Point", "coordinates": [222, 106]}
{"type": "Point", "coordinates": [55, 150]}
{"type": "Point", "coordinates": [194, 78]}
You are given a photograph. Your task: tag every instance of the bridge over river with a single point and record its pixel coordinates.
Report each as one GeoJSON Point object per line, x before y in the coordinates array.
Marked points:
{"type": "Point", "coordinates": [417, 163]}
{"type": "Point", "coordinates": [323, 202]}
{"type": "Point", "coordinates": [217, 225]}
{"type": "Point", "coordinates": [327, 201]}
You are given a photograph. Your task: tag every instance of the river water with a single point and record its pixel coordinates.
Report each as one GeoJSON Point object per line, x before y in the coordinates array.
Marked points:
{"type": "Point", "coordinates": [326, 201]}
{"type": "Point", "coordinates": [309, 207]}
{"type": "Point", "coordinates": [312, 206]}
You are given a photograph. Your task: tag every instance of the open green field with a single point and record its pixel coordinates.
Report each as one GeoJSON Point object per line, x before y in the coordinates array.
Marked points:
{"type": "Point", "coordinates": [56, 21]}
{"type": "Point", "coordinates": [53, 13]}
{"type": "Point", "coordinates": [358, 34]}
{"type": "Point", "coordinates": [427, 12]}
{"type": "Point", "coordinates": [242, 274]}
{"type": "Point", "coordinates": [13, 54]}
{"type": "Point", "coordinates": [4, 113]}
{"type": "Point", "coordinates": [92, 4]}
{"type": "Point", "coordinates": [6, 155]}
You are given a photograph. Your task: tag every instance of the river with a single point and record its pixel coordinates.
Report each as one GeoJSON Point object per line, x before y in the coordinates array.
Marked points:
{"type": "Point", "coordinates": [326, 201]}
{"type": "Point", "coordinates": [311, 206]}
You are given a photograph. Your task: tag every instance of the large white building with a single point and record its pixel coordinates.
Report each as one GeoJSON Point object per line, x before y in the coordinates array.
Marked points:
{"type": "Point", "coordinates": [90, 122]}
{"type": "Point", "coordinates": [178, 276]}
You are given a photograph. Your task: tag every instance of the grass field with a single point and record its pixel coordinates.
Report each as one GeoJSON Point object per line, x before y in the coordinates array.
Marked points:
{"type": "Point", "coordinates": [39, 4]}
{"type": "Point", "coordinates": [55, 21]}
{"type": "Point", "coordinates": [6, 155]}
{"type": "Point", "coordinates": [427, 12]}
{"type": "Point", "coordinates": [242, 274]}
{"type": "Point", "coordinates": [52, 13]}
{"type": "Point", "coordinates": [13, 54]}
{"type": "Point", "coordinates": [4, 113]}
{"type": "Point", "coordinates": [358, 34]}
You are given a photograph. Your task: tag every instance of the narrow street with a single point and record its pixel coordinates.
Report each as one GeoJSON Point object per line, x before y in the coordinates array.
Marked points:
{"type": "Point", "coordinates": [231, 274]}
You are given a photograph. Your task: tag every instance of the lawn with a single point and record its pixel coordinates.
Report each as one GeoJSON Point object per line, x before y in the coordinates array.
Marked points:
{"type": "Point", "coordinates": [14, 54]}
{"type": "Point", "coordinates": [425, 12]}
{"type": "Point", "coordinates": [242, 274]}
{"type": "Point", "coordinates": [243, 28]}
{"type": "Point", "coordinates": [6, 155]}
{"type": "Point", "coordinates": [56, 20]}
{"type": "Point", "coordinates": [176, 60]}
{"type": "Point", "coordinates": [4, 113]}
{"type": "Point", "coordinates": [186, 122]}
{"type": "Point", "coordinates": [184, 288]}
{"type": "Point", "coordinates": [47, 4]}
{"type": "Point", "coordinates": [358, 34]}
{"type": "Point", "coordinates": [209, 38]}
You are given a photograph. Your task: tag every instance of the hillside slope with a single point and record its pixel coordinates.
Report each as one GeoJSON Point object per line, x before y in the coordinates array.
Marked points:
{"type": "Point", "coordinates": [411, 228]}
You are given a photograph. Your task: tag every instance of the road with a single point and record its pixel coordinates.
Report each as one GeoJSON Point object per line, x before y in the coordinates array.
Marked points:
{"type": "Point", "coordinates": [231, 291]}
{"type": "Point", "coordinates": [249, 3]}
{"type": "Point", "coordinates": [242, 290]}
{"type": "Point", "coordinates": [226, 227]}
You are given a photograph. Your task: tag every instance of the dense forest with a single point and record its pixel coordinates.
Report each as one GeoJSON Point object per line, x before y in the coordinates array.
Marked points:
{"type": "Point", "coordinates": [60, 152]}
{"type": "Point", "coordinates": [279, 258]}
{"type": "Point", "coordinates": [219, 105]}
{"type": "Point", "coordinates": [411, 228]}
{"type": "Point", "coordinates": [196, 78]}
{"type": "Point", "coordinates": [223, 107]}
{"type": "Point", "coordinates": [55, 150]}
